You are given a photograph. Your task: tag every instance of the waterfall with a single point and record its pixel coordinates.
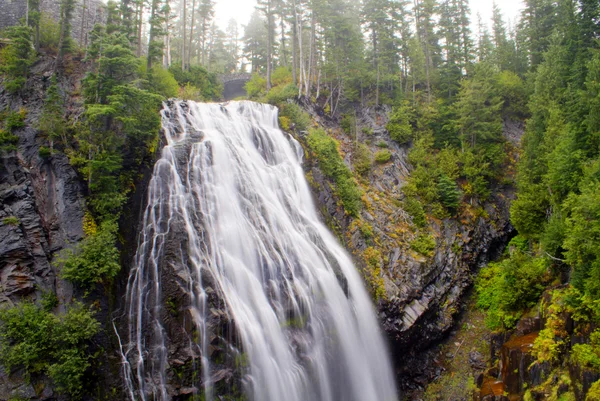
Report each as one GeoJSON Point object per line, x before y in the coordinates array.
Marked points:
{"type": "Point", "coordinates": [231, 189]}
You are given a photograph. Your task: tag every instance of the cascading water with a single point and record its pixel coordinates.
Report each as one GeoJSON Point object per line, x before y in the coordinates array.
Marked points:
{"type": "Point", "coordinates": [233, 184]}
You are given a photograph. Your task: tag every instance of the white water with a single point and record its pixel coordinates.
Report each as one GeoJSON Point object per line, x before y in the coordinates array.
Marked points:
{"type": "Point", "coordinates": [239, 195]}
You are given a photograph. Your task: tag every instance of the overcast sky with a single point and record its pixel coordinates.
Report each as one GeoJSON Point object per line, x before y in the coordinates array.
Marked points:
{"type": "Point", "coordinates": [241, 10]}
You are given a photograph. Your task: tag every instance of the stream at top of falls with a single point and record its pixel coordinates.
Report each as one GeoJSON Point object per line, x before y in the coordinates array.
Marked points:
{"type": "Point", "coordinates": [229, 211]}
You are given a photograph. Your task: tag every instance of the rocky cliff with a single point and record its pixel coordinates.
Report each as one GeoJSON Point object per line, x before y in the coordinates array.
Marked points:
{"type": "Point", "coordinates": [423, 294]}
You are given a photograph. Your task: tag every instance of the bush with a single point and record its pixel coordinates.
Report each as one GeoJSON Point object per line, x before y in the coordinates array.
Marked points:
{"type": "Point", "coordinates": [399, 125]}
{"type": "Point", "coordinates": [162, 82]}
{"type": "Point", "coordinates": [415, 209]}
{"type": "Point", "coordinates": [256, 86]}
{"type": "Point", "coordinates": [280, 94]}
{"type": "Point", "coordinates": [40, 342]}
{"type": "Point", "coordinates": [190, 92]}
{"type": "Point", "coordinates": [507, 288]}
{"type": "Point", "coordinates": [11, 221]}
{"type": "Point", "coordinates": [49, 32]}
{"type": "Point", "coordinates": [362, 159]}
{"type": "Point", "coordinates": [8, 141]}
{"type": "Point", "coordinates": [15, 120]}
{"type": "Point", "coordinates": [423, 244]}
{"type": "Point", "coordinates": [295, 115]}
{"type": "Point", "coordinates": [281, 76]}
{"type": "Point", "coordinates": [17, 57]}
{"type": "Point", "coordinates": [449, 193]}
{"type": "Point", "coordinates": [383, 156]}
{"type": "Point", "coordinates": [588, 355]}
{"type": "Point", "coordinates": [331, 163]}
{"type": "Point", "coordinates": [348, 124]}
{"type": "Point", "coordinates": [94, 260]}
{"type": "Point", "coordinates": [198, 77]}
{"type": "Point", "coordinates": [383, 144]}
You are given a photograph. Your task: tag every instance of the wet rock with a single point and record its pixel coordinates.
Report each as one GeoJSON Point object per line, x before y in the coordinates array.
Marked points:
{"type": "Point", "coordinates": [476, 360]}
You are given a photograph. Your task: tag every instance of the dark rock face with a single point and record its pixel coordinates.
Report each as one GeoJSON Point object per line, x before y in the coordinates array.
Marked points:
{"type": "Point", "coordinates": [423, 294]}
{"type": "Point", "coordinates": [41, 212]}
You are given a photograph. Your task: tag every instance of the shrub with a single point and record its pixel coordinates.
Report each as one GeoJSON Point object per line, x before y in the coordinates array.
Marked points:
{"type": "Point", "coordinates": [49, 32]}
{"type": "Point", "coordinates": [15, 120]}
{"type": "Point", "coordinates": [40, 342]}
{"type": "Point", "coordinates": [506, 288]}
{"type": "Point", "coordinates": [423, 244]}
{"type": "Point", "coordinates": [383, 156]}
{"type": "Point", "coordinates": [281, 76]}
{"type": "Point", "coordinates": [8, 141]}
{"type": "Point", "coordinates": [256, 86]}
{"type": "Point", "coordinates": [348, 124]}
{"type": "Point", "coordinates": [362, 159]}
{"type": "Point", "coordinates": [415, 209]}
{"type": "Point", "coordinates": [190, 92]}
{"type": "Point", "coordinates": [17, 57]}
{"type": "Point", "coordinates": [331, 163]}
{"type": "Point", "coordinates": [296, 116]}
{"type": "Point", "coordinates": [280, 94]}
{"type": "Point", "coordinates": [94, 260]}
{"type": "Point", "coordinates": [11, 221]}
{"type": "Point", "coordinates": [399, 125]}
{"type": "Point", "coordinates": [588, 355]}
{"type": "Point", "coordinates": [383, 144]}
{"type": "Point", "coordinates": [44, 152]}
{"type": "Point", "coordinates": [162, 82]}
{"type": "Point", "coordinates": [448, 192]}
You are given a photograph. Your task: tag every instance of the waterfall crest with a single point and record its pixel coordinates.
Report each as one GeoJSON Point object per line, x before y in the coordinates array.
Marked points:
{"type": "Point", "coordinates": [230, 184]}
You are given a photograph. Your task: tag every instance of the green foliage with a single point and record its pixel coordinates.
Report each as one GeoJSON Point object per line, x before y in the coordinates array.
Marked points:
{"type": "Point", "coordinates": [348, 124]}
{"type": "Point", "coordinates": [52, 122]}
{"type": "Point", "coordinates": [279, 94]}
{"type": "Point", "coordinates": [593, 393]}
{"type": "Point", "coordinates": [15, 120]}
{"type": "Point", "coordinates": [331, 163]}
{"type": "Point", "coordinates": [11, 221]}
{"type": "Point", "coordinates": [198, 77]}
{"type": "Point", "coordinates": [8, 141]}
{"type": "Point", "coordinates": [162, 82]}
{"type": "Point", "coordinates": [449, 193]}
{"type": "Point", "coordinates": [94, 260]}
{"type": "Point", "coordinates": [362, 159]}
{"type": "Point", "coordinates": [49, 33]}
{"type": "Point", "coordinates": [506, 288]}
{"type": "Point", "coordinates": [256, 86]}
{"type": "Point", "coordinates": [399, 126]}
{"type": "Point", "coordinates": [38, 341]}
{"type": "Point", "coordinates": [588, 355]}
{"type": "Point", "coordinates": [423, 244]}
{"type": "Point", "coordinates": [17, 57]}
{"type": "Point", "coordinates": [383, 156]}
{"type": "Point", "coordinates": [415, 209]}
{"type": "Point", "coordinates": [295, 115]}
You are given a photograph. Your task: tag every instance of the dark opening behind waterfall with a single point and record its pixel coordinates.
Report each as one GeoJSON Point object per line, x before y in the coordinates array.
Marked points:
{"type": "Point", "coordinates": [232, 185]}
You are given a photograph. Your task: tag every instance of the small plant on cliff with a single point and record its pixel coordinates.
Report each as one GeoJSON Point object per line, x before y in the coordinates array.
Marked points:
{"type": "Point", "coordinates": [449, 193]}
{"type": "Point", "coordinates": [383, 156]}
{"type": "Point", "coordinates": [11, 221]}
{"type": "Point", "coordinates": [331, 163]}
{"type": "Point", "coordinates": [423, 244]}
{"type": "Point", "coordinates": [38, 341]}
{"type": "Point", "coordinates": [94, 260]}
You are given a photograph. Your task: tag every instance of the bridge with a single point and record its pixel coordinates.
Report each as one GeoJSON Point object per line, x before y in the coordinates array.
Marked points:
{"type": "Point", "coordinates": [233, 85]}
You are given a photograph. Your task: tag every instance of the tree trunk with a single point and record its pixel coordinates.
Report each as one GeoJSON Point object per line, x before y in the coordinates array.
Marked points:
{"type": "Point", "coordinates": [189, 53]}
{"type": "Point", "coordinates": [184, 36]}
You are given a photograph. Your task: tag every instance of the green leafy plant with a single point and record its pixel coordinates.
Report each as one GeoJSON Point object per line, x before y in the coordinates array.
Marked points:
{"type": "Point", "coordinates": [383, 156]}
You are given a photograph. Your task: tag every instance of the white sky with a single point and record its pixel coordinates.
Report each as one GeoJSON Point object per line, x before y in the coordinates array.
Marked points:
{"type": "Point", "coordinates": [241, 10]}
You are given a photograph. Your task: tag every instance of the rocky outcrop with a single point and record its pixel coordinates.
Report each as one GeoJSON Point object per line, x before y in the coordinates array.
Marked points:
{"type": "Point", "coordinates": [422, 293]}
{"type": "Point", "coordinates": [41, 212]}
